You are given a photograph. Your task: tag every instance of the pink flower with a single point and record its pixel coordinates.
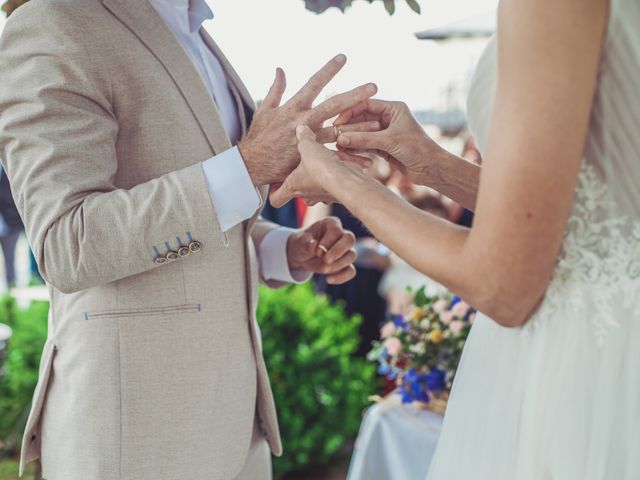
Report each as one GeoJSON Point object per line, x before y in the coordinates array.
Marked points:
{"type": "Point", "coordinates": [393, 346]}
{"type": "Point", "coordinates": [446, 316]}
{"type": "Point", "coordinates": [387, 330]}
{"type": "Point", "coordinates": [460, 309]}
{"type": "Point", "coordinates": [456, 326]}
{"type": "Point", "coordinates": [440, 306]}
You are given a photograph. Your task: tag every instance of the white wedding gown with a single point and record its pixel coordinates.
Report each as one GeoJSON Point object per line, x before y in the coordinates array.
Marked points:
{"type": "Point", "coordinates": [559, 399]}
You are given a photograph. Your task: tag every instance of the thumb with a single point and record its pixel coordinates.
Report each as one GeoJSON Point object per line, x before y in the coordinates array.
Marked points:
{"type": "Point", "coordinates": [307, 143]}
{"type": "Point", "coordinates": [303, 132]}
{"type": "Point", "coordinates": [309, 242]}
{"type": "Point", "coordinates": [365, 140]}
{"type": "Point", "coordinates": [279, 196]}
{"type": "Point", "coordinates": [274, 97]}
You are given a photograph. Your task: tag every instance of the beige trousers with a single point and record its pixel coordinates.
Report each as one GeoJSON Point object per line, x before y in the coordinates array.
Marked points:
{"type": "Point", "coordinates": [258, 463]}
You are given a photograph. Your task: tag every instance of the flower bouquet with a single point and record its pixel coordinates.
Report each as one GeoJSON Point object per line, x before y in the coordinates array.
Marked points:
{"type": "Point", "coordinates": [420, 352]}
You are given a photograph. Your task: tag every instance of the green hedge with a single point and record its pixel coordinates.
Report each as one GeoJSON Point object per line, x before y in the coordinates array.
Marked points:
{"type": "Point", "coordinates": [320, 388]}
{"type": "Point", "coordinates": [21, 366]}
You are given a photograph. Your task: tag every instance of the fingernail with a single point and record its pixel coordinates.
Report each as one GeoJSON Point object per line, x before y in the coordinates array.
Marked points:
{"type": "Point", "coordinates": [372, 88]}
{"type": "Point", "coordinates": [343, 140]}
{"type": "Point", "coordinates": [299, 131]}
{"type": "Point", "coordinates": [340, 58]}
{"type": "Point", "coordinates": [375, 125]}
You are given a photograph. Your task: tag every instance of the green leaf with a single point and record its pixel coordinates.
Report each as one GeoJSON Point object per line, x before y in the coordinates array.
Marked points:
{"type": "Point", "coordinates": [421, 299]}
{"type": "Point", "coordinates": [414, 5]}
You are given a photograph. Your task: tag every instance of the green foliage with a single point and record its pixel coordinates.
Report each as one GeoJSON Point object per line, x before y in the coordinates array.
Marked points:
{"type": "Point", "coordinates": [320, 6]}
{"type": "Point", "coordinates": [319, 387]}
{"type": "Point", "coordinates": [9, 471]}
{"type": "Point", "coordinates": [21, 367]}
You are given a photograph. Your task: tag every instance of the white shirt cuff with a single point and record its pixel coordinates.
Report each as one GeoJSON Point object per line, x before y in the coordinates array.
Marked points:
{"type": "Point", "coordinates": [234, 196]}
{"type": "Point", "coordinates": [274, 263]}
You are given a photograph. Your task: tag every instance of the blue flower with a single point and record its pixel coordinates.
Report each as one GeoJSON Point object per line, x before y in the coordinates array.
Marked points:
{"type": "Point", "coordinates": [454, 300]}
{"type": "Point", "coordinates": [399, 321]}
{"type": "Point", "coordinates": [436, 380]}
{"type": "Point", "coordinates": [414, 387]}
{"type": "Point", "coordinates": [384, 369]}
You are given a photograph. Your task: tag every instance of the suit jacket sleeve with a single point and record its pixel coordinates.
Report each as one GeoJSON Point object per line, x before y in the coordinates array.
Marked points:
{"type": "Point", "coordinates": [58, 137]}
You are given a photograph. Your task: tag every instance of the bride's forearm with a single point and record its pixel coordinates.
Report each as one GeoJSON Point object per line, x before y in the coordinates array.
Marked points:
{"type": "Point", "coordinates": [430, 244]}
{"type": "Point", "coordinates": [453, 177]}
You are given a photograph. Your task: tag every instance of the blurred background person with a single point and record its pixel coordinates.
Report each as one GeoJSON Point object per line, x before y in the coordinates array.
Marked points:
{"type": "Point", "coordinates": [11, 228]}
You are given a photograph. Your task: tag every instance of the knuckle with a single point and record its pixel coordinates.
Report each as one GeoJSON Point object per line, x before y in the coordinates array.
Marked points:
{"type": "Point", "coordinates": [334, 220]}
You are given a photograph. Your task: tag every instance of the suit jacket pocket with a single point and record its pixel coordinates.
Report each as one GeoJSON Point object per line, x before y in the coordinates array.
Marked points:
{"type": "Point", "coordinates": [144, 312]}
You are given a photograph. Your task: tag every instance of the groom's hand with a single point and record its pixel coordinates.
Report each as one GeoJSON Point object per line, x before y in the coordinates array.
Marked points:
{"type": "Point", "coordinates": [270, 148]}
{"type": "Point", "coordinates": [325, 248]}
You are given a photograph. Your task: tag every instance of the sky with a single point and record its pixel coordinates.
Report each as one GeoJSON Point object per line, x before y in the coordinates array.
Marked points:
{"type": "Point", "coordinates": [260, 35]}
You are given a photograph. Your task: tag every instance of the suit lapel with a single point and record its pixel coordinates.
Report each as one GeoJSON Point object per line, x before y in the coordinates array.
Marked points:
{"type": "Point", "coordinates": [142, 19]}
{"type": "Point", "coordinates": [145, 23]}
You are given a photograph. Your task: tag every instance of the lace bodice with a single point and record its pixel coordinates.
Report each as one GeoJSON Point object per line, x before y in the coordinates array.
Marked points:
{"type": "Point", "coordinates": [598, 268]}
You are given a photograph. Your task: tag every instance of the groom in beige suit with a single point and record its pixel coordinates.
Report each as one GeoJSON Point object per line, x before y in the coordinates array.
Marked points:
{"type": "Point", "coordinates": [118, 121]}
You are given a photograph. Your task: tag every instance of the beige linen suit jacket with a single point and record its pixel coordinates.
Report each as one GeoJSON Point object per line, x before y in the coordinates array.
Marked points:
{"type": "Point", "coordinates": [152, 368]}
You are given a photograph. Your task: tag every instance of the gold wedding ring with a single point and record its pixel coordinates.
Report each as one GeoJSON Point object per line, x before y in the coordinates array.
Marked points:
{"type": "Point", "coordinates": [337, 131]}
{"type": "Point", "coordinates": [323, 248]}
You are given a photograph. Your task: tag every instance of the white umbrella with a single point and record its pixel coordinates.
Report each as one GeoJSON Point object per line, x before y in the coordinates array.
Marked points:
{"type": "Point", "coordinates": [479, 26]}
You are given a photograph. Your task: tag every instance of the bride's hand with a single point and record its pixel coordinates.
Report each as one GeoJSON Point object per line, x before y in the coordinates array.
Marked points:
{"type": "Point", "coordinates": [402, 141]}
{"type": "Point", "coordinates": [318, 165]}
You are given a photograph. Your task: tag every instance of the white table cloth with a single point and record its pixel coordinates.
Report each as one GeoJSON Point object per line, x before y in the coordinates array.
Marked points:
{"type": "Point", "coordinates": [396, 442]}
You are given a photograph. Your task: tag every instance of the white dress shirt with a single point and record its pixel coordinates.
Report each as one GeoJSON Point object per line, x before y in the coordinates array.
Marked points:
{"type": "Point", "coordinates": [232, 192]}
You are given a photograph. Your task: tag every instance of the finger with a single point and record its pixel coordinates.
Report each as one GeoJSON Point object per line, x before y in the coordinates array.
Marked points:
{"type": "Point", "coordinates": [274, 97]}
{"type": "Point", "coordinates": [279, 196]}
{"type": "Point", "coordinates": [330, 134]}
{"type": "Point", "coordinates": [365, 140]}
{"type": "Point", "coordinates": [371, 106]}
{"type": "Point", "coordinates": [332, 233]}
{"type": "Point", "coordinates": [307, 94]}
{"type": "Point", "coordinates": [307, 143]}
{"type": "Point", "coordinates": [343, 276]}
{"type": "Point", "coordinates": [340, 264]}
{"type": "Point", "coordinates": [340, 248]}
{"type": "Point", "coordinates": [339, 103]}
{"type": "Point", "coordinates": [361, 160]}
{"type": "Point", "coordinates": [309, 243]}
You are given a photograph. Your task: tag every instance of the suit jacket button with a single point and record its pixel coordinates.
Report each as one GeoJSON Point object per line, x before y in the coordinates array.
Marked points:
{"type": "Point", "coordinates": [184, 251]}
{"type": "Point", "coordinates": [195, 246]}
{"type": "Point", "coordinates": [171, 255]}
{"type": "Point", "coordinates": [160, 260]}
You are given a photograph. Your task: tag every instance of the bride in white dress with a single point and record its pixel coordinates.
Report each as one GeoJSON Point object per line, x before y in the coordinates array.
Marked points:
{"type": "Point", "coordinates": [549, 384]}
